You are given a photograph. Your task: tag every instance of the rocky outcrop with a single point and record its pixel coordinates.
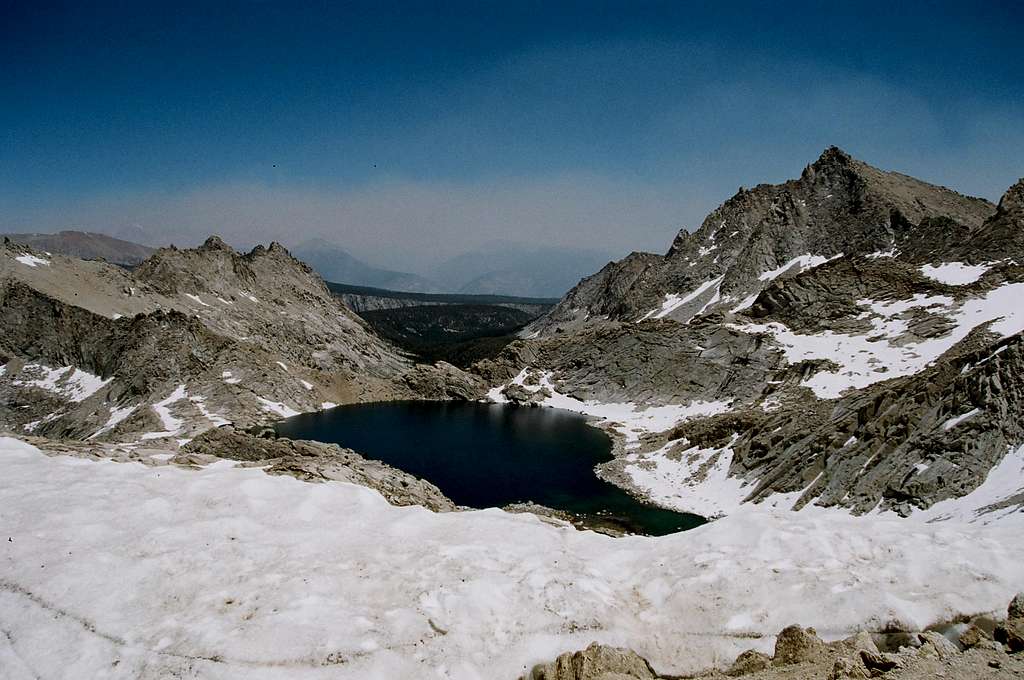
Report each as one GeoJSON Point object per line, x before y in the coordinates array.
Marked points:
{"type": "Point", "coordinates": [797, 645]}
{"type": "Point", "coordinates": [314, 462]}
{"type": "Point", "coordinates": [1011, 632]}
{"type": "Point", "coordinates": [750, 661]}
{"type": "Point", "coordinates": [800, 654]}
{"type": "Point", "coordinates": [443, 381]}
{"type": "Point", "coordinates": [596, 662]}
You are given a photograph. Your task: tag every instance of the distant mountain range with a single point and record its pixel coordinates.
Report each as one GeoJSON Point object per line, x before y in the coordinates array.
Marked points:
{"type": "Point", "coordinates": [87, 246]}
{"type": "Point", "coordinates": [334, 263]}
{"type": "Point", "coordinates": [515, 269]}
{"type": "Point", "coordinates": [499, 268]}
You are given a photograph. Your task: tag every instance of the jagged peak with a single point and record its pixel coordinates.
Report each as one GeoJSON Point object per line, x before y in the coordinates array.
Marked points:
{"type": "Point", "coordinates": [833, 155]}
{"type": "Point", "coordinates": [215, 243]}
{"type": "Point", "coordinates": [1013, 199]}
{"type": "Point", "coordinates": [831, 159]}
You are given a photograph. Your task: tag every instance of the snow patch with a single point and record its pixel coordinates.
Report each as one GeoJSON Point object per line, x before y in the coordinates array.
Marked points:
{"type": "Point", "coordinates": [674, 301]}
{"type": "Point", "coordinates": [801, 263]}
{"type": "Point", "coordinates": [200, 404]}
{"type": "Point", "coordinates": [116, 416]}
{"type": "Point", "coordinates": [277, 407]}
{"type": "Point", "coordinates": [629, 419]}
{"type": "Point", "coordinates": [32, 260]}
{"type": "Point", "coordinates": [172, 425]}
{"type": "Point", "coordinates": [195, 298]}
{"type": "Point", "coordinates": [327, 405]}
{"type": "Point", "coordinates": [69, 382]}
{"type": "Point", "coordinates": [745, 303]}
{"type": "Point", "coordinates": [953, 422]}
{"type": "Point", "coordinates": [694, 480]}
{"type": "Point", "coordinates": [1003, 481]}
{"type": "Point", "coordinates": [955, 273]}
{"type": "Point", "coordinates": [866, 359]}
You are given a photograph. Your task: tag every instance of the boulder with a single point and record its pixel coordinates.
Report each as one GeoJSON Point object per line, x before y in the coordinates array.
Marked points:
{"type": "Point", "coordinates": [1011, 635]}
{"type": "Point", "coordinates": [973, 636]}
{"type": "Point", "coordinates": [1016, 608]}
{"type": "Point", "coordinates": [596, 662]}
{"type": "Point", "coordinates": [880, 662]}
{"type": "Point", "coordinates": [861, 640]}
{"type": "Point", "coordinates": [797, 645]}
{"type": "Point", "coordinates": [936, 645]}
{"type": "Point", "coordinates": [748, 662]}
{"type": "Point", "coordinates": [848, 669]}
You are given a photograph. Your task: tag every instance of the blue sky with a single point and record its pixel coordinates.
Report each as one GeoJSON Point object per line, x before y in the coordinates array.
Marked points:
{"type": "Point", "coordinates": [412, 132]}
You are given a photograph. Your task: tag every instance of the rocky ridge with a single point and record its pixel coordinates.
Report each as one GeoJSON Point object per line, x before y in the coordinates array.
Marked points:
{"type": "Point", "coordinates": [838, 206]}
{"type": "Point", "coordinates": [87, 246]}
{"type": "Point", "coordinates": [189, 340]}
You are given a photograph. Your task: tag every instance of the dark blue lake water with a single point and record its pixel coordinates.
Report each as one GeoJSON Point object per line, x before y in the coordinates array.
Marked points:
{"type": "Point", "coordinates": [490, 455]}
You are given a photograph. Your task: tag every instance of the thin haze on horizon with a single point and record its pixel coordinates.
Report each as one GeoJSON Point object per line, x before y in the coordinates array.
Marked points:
{"type": "Point", "coordinates": [413, 132]}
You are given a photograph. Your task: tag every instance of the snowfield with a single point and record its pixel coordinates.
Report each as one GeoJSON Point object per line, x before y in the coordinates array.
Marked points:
{"type": "Point", "coordinates": [882, 354]}
{"type": "Point", "coordinates": [629, 419]}
{"type": "Point", "coordinates": [955, 273]}
{"type": "Point", "coordinates": [32, 260]}
{"type": "Point", "coordinates": [68, 382]}
{"type": "Point", "coordinates": [119, 570]}
{"type": "Point", "coordinates": [1005, 480]}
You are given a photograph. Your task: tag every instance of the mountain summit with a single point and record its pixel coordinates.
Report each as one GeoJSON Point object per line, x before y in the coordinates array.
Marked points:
{"type": "Point", "coordinates": [838, 206]}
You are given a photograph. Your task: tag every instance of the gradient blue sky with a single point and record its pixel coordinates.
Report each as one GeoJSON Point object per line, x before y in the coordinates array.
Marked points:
{"type": "Point", "coordinates": [417, 131]}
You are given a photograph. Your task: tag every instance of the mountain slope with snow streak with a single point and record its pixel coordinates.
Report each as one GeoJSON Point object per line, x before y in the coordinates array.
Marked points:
{"type": "Point", "coordinates": [839, 205]}
{"type": "Point", "coordinates": [91, 351]}
{"type": "Point", "coordinates": [844, 317]}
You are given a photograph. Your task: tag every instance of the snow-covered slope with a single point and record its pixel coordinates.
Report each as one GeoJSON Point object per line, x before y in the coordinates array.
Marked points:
{"type": "Point", "coordinates": [118, 570]}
